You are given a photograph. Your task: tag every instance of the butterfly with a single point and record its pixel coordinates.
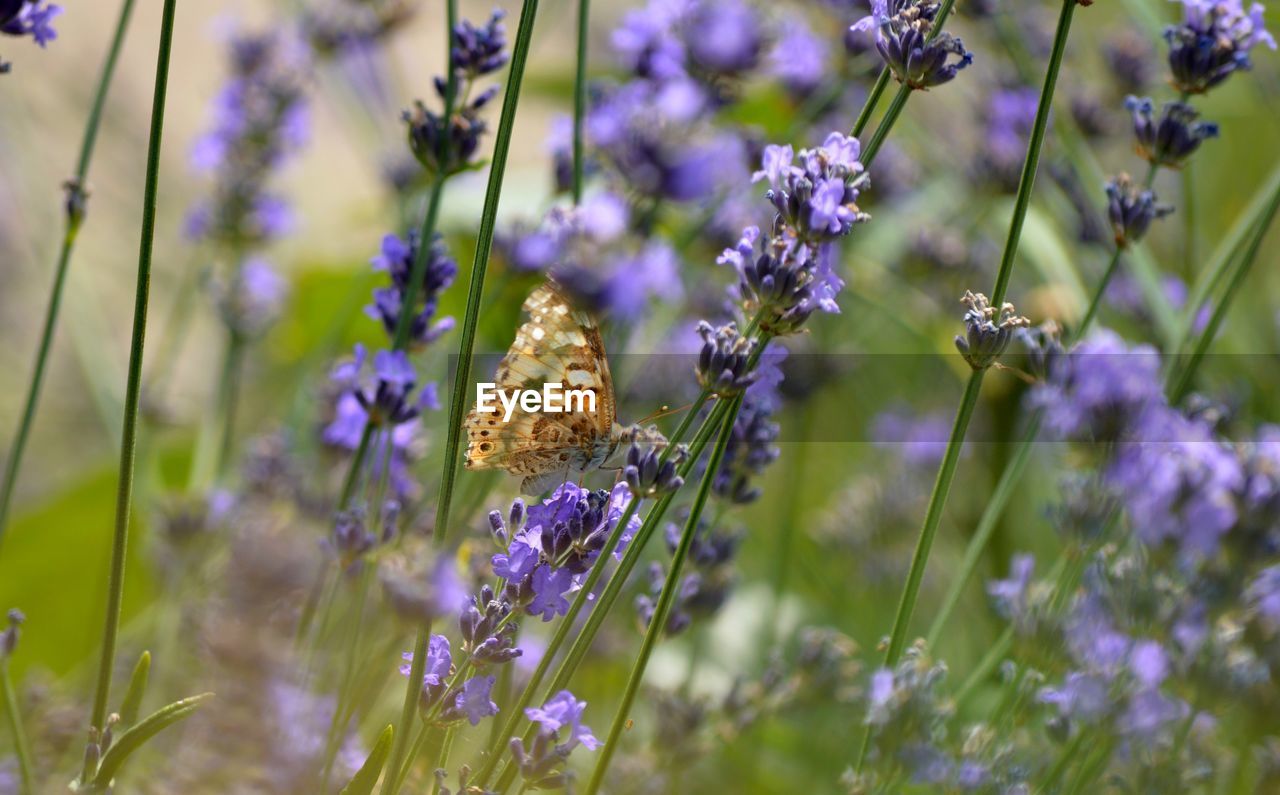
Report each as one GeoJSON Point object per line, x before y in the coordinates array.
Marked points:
{"type": "Point", "coordinates": [557, 344]}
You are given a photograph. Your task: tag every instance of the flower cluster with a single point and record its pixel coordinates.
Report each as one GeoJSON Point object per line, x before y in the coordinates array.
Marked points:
{"type": "Point", "coordinates": [260, 120]}
{"type": "Point", "coordinates": [447, 146]}
{"type": "Point", "coordinates": [1131, 210]}
{"type": "Point", "coordinates": [706, 586]}
{"type": "Point", "coordinates": [1213, 41]}
{"type": "Point", "coordinates": [551, 545]}
{"type": "Point", "coordinates": [560, 730]}
{"type": "Point", "coordinates": [9, 637]}
{"type": "Point", "coordinates": [442, 699]}
{"type": "Point", "coordinates": [397, 259]}
{"type": "Point", "coordinates": [918, 56]}
{"type": "Point", "coordinates": [589, 252]}
{"type": "Point", "coordinates": [988, 330]}
{"type": "Point", "coordinates": [1172, 137]}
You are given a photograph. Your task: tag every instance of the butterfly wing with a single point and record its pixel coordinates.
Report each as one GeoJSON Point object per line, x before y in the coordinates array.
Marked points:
{"type": "Point", "coordinates": [557, 344]}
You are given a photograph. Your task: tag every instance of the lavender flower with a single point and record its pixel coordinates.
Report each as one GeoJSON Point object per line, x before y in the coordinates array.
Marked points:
{"type": "Point", "coordinates": [722, 37]}
{"type": "Point", "coordinates": [471, 701]}
{"type": "Point", "coordinates": [816, 196]}
{"type": "Point", "coordinates": [705, 588]}
{"type": "Point", "coordinates": [480, 51]}
{"type": "Point", "coordinates": [1131, 210]}
{"type": "Point", "coordinates": [557, 544]}
{"type": "Point", "coordinates": [1213, 41]}
{"type": "Point", "coordinates": [786, 281]}
{"type": "Point", "coordinates": [904, 40]}
{"type": "Point", "coordinates": [449, 146]}
{"type": "Point", "coordinates": [560, 730]}
{"type": "Point", "coordinates": [388, 397]}
{"type": "Point", "coordinates": [799, 57]}
{"type": "Point", "coordinates": [1170, 139]}
{"type": "Point", "coordinates": [988, 331]}
{"type": "Point", "coordinates": [435, 672]}
{"type": "Point", "coordinates": [260, 119]}
{"type": "Point", "coordinates": [724, 359]}
{"type": "Point", "coordinates": [487, 635]}
{"type": "Point", "coordinates": [397, 258]}
{"type": "Point", "coordinates": [647, 475]}
{"type": "Point", "coordinates": [1102, 390]}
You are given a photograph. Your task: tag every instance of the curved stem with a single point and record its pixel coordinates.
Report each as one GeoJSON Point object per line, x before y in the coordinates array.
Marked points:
{"type": "Point", "coordinates": [73, 223]}
{"type": "Point", "coordinates": [580, 100]}
{"type": "Point", "coordinates": [1096, 300]}
{"type": "Point", "coordinates": [657, 624]}
{"type": "Point", "coordinates": [128, 442]}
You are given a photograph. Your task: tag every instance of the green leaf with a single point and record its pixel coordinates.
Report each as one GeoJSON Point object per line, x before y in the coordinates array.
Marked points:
{"type": "Point", "coordinates": [137, 736]}
{"type": "Point", "coordinates": [366, 777]}
{"type": "Point", "coordinates": [132, 703]}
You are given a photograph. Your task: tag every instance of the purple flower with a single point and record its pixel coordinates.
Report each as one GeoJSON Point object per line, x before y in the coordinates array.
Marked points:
{"type": "Point", "coordinates": [564, 711]}
{"type": "Point", "coordinates": [1263, 597]}
{"type": "Point", "coordinates": [1170, 138]}
{"type": "Point", "coordinates": [1214, 41]}
{"type": "Point", "coordinates": [1082, 696]}
{"type": "Point", "coordinates": [920, 440]}
{"type": "Point", "coordinates": [549, 585]}
{"type": "Point", "coordinates": [1010, 596]}
{"type": "Point", "coordinates": [723, 36]}
{"type": "Point", "coordinates": [480, 51]}
{"type": "Point", "coordinates": [799, 57]}
{"type": "Point", "coordinates": [903, 37]}
{"type": "Point", "coordinates": [880, 697]}
{"type": "Point", "coordinates": [438, 665]}
{"type": "Point", "coordinates": [817, 196]}
{"type": "Point", "coordinates": [1149, 663]}
{"type": "Point", "coordinates": [473, 701]}
{"type": "Point", "coordinates": [397, 258]}
{"type": "Point", "coordinates": [1101, 391]}
{"type": "Point", "coordinates": [517, 563]}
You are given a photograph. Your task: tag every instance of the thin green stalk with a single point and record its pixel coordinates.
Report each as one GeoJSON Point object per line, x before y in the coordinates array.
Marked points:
{"type": "Point", "coordinates": [1032, 162]}
{"type": "Point", "coordinates": [479, 265]}
{"type": "Point", "coordinates": [873, 99]}
{"type": "Point", "coordinates": [658, 623]}
{"type": "Point", "coordinates": [937, 500]}
{"type": "Point", "coordinates": [1096, 301]}
{"type": "Point", "coordinates": [1064, 759]}
{"type": "Point", "coordinates": [391, 782]}
{"type": "Point", "coordinates": [891, 115]}
{"type": "Point", "coordinates": [74, 220]}
{"type": "Point", "coordinates": [580, 100]}
{"type": "Point", "coordinates": [1182, 382]}
{"type": "Point", "coordinates": [129, 435]}
{"type": "Point", "coordinates": [1008, 482]}
{"type": "Point", "coordinates": [20, 745]}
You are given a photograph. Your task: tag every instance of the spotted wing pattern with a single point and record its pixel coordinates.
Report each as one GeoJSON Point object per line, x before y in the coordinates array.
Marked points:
{"type": "Point", "coordinates": [558, 343]}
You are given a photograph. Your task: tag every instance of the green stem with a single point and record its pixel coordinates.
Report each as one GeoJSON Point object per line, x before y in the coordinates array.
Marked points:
{"type": "Point", "coordinates": [479, 265]}
{"type": "Point", "coordinates": [873, 99]}
{"type": "Point", "coordinates": [1028, 177]}
{"type": "Point", "coordinates": [73, 223]}
{"type": "Point", "coordinates": [1182, 382]}
{"type": "Point", "coordinates": [128, 442]}
{"type": "Point", "coordinates": [391, 781]}
{"type": "Point", "coordinates": [896, 106]}
{"type": "Point", "coordinates": [657, 624]}
{"type": "Point", "coordinates": [1096, 300]}
{"type": "Point", "coordinates": [580, 100]}
{"type": "Point", "coordinates": [12, 710]}
{"type": "Point", "coordinates": [1064, 759]}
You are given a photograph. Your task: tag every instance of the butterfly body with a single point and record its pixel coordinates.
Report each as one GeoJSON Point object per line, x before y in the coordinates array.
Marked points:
{"type": "Point", "coordinates": [558, 344]}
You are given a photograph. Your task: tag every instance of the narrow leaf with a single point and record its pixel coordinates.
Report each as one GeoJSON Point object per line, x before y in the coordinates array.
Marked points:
{"type": "Point", "coordinates": [138, 735]}
{"type": "Point", "coordinates": [366, 777]}
{"type": "Point", "coordinates": [132, 703]}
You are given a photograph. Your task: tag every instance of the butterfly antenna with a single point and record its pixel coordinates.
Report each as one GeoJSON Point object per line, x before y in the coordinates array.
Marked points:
{"type": "Point", "coordinates": [665, 411]}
